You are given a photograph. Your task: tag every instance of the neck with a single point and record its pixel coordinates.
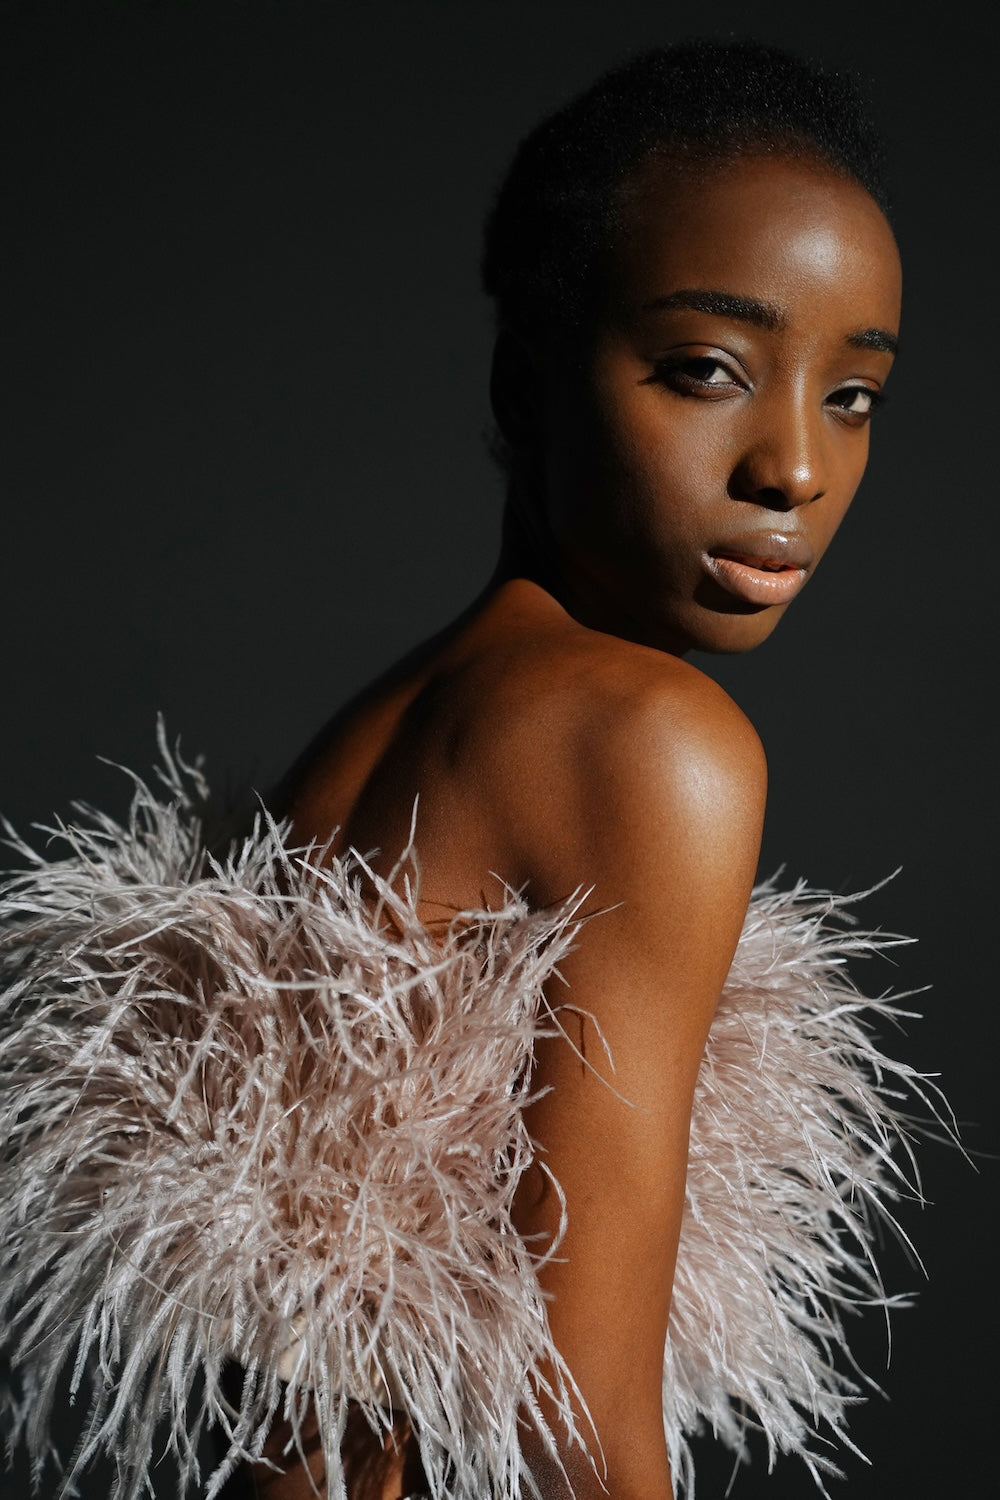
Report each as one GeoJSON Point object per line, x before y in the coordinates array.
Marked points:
{"type": "Point", "coordinates": [528, 552]}
{"type": "Point", "coordinates": [526, 549]}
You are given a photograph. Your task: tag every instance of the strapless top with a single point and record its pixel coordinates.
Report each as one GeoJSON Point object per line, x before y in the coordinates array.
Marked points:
{"type": "Point", "coordinates": [252, 1111]}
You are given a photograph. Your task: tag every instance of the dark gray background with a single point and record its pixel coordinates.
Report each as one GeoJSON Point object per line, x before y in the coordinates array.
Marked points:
{"type": "Point", "coordinates": [243, 461]}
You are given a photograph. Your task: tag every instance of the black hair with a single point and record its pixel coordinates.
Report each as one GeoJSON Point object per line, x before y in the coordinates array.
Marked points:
{"type": "Point", "coordinates": [701, 101]}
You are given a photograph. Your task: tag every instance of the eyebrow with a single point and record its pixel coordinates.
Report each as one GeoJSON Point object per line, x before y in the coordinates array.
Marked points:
{"type": "Point", "coordinates": [760, 314]}
{"type": "Point", "coordinates": [723, 305]}
{"type": "Point", "coordinates": [874, 338]}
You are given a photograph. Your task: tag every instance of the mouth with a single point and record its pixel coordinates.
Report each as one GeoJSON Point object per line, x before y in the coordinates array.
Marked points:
{"type": "Point", "coordinates": [769, 570]}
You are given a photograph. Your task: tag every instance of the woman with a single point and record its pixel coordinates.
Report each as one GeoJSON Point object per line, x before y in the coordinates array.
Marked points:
{"type": "Point", "coordinates": [698, 301]}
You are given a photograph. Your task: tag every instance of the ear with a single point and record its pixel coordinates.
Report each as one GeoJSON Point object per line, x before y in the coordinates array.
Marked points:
{"type": "Point", "coordinates": [516, 391]}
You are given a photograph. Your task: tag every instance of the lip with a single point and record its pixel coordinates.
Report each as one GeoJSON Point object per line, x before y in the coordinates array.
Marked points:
{"type": "Point", "coordinates": [764, 568]}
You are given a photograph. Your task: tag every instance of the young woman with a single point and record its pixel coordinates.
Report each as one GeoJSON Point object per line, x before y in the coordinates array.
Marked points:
{"type": "Point", "coordinates": [517, 989]}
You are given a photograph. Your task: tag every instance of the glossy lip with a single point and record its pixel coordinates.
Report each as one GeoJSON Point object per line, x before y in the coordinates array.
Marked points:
{"type": "Point", "coordinates": [765, 568]}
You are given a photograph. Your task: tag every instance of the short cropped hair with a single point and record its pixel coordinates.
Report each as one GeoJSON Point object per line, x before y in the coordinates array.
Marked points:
{"type": "Point", "coordinates": [701, 102]}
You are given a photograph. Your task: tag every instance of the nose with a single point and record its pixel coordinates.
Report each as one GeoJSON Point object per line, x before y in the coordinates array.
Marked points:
{"type": "Point", "coordinates": [782, 465]}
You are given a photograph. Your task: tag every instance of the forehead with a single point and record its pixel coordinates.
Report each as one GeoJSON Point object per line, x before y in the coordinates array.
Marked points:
{"type": "Point", "coordinates": [792, 232]}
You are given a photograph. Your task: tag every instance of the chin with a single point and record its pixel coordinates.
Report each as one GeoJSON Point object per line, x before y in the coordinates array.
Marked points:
{"type": "Point", "coordinates": [692, 626]}
{"type": "Point", "coordinates": [724, 634]}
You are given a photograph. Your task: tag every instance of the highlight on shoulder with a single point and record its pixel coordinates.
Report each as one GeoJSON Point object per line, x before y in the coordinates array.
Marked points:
{"type": "Point", "coordinates": [637, 756]}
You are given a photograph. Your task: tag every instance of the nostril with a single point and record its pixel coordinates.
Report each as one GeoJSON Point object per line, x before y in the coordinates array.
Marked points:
{"type": "Point", "coordinates": [773, 497]}
{"type": "Point", "coordinates": [781, 497]}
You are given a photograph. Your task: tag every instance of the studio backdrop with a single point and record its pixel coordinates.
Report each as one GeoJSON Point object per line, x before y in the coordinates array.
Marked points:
{"type": "Point", "coordinates": [245, 464]}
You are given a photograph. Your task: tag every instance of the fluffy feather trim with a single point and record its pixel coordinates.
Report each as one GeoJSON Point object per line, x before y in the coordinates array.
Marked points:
{"type": "Point", "coordinates": [798, 1151]}
{"type": "Point", "coordinates": [248, 1114]}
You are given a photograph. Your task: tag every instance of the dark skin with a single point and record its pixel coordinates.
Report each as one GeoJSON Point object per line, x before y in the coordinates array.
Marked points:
{"type": "Point", "coordinates": [703, 435]}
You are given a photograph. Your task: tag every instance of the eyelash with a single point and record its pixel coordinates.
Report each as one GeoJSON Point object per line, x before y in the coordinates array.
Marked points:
{"type": "Point", "coordinates": [680, 375]}
{"type": "Point", "coordinates": [875, 399]}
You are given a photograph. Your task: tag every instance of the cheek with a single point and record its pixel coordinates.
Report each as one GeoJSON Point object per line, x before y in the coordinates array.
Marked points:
{"type": "Point", "coordinates": [630, 472]}
{"type": "Point", "coordinates": [670, 470]}
{"type": "Point", "coordinates": [618, 499]}
{"type": "Point", "coordinates": [642, 457]}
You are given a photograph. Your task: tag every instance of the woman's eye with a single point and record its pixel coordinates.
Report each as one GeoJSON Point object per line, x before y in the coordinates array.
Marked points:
{"type": "Point", "coordinates": [697, 373]}
{"type": "Point", "coordinates": [857, 400]}
{"type": "Point", "coordinates": [709, 372]}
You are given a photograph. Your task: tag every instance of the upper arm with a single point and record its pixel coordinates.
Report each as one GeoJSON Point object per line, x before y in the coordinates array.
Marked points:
{"type": "Point", "coordinates": [662, 818]}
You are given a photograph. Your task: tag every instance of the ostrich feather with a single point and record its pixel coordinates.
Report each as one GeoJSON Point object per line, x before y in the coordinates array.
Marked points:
{"type": "Point", "coordinates": [255, 1109]}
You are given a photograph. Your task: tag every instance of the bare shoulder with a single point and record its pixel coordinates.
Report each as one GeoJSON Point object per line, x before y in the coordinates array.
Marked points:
{"type": "Point", "coordinates": [547, 754]}
{"type": "Point", "coordinates": [634, 761]}
{"type": "Point", "coordinates": [663, 724]}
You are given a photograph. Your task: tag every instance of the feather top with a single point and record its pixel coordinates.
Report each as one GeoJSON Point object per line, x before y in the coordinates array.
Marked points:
{"type": "Point", "coordinates": [248, 1114]}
